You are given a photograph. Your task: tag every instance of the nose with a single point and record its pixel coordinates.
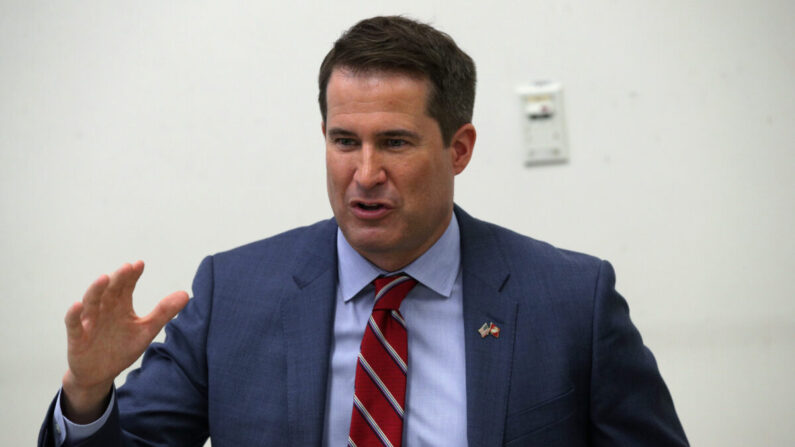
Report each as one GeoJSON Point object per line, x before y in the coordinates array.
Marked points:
{"type": "Point", "coordinates": [370, 171]}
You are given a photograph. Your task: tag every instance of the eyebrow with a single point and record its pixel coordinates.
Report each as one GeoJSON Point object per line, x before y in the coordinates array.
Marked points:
{"type": "Point", "coordinates": [399, 133]}
{"type": "Point", "coordinates": [339, 132]}
{"type": "Point", "coordinates": [392, 133]}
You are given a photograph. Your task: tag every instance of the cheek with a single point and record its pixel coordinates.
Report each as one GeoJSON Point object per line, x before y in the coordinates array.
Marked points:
{"type": "Point", "coordinates": [433, 179]}
{"type": "Point", "coordinates": [337, 176]}
{"type": "Point", "coordinates": [330, 177]}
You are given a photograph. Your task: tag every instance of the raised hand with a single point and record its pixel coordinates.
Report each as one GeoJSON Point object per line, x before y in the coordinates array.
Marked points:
{"type": "Point", "coordinates": [105, 336]}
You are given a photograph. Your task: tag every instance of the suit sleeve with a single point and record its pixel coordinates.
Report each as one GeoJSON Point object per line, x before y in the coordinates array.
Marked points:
{"type": "Point", "coordinates": [630, 404]}
{"type": "Point", "coordinates": [164, 402]}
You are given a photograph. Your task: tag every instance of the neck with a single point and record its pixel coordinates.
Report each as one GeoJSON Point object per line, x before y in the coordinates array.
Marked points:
{"type": "Point", "coordinates": [395, 260]}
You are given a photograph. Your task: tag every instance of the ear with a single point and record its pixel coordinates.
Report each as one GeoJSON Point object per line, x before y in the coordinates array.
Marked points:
{"type": "Point", "coordinates": [461, 146]}
{"type": "Point", "coordinates": [323, 128]}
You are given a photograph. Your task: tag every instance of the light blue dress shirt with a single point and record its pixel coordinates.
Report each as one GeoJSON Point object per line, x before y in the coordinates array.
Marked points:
{"type": "Point", "coordinates": [434, 313]}
{"type": "Point", "coordinates": [436, 386]}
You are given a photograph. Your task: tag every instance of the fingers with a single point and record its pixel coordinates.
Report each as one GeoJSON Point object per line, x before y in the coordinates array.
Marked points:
{"type": "Point", "coordinates": [93, 295]}
{"type": "Point", "coordinates": [74, 326]}
{"type": "Point", "coordinates": [117, 278]}
{"type": "Point", "coordinates": [130, 280]}
{"type": "Point", "coordinates": [114, 289]}
{"type": "Point", "coordinates": [117, 289]}
{"type": "Point", "coordinates": [122, 282]}
{"type": "Point", "coordinates": [165, 310]}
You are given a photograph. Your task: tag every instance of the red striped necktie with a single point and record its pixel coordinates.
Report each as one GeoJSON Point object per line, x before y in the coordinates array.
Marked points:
{"type": "Point", "coordinates": [380, 392]}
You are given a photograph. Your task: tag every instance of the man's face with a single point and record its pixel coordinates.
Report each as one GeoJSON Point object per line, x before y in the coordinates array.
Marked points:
{"type": "Point", "coordinates": [389, 175]}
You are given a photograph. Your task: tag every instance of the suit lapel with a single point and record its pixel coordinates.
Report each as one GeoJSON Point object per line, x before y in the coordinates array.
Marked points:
{"type": "Point", "coordinates": [307, 320]}
{"type": "Point", "coordinates": [488, 359]}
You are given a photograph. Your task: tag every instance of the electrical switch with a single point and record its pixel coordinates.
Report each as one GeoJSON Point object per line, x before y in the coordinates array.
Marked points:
{"type": "Point", "coordinates": [543, 124]}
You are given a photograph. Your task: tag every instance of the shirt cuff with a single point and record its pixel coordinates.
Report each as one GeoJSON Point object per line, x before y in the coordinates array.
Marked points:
{"type": "Point", "coordinates": [64, 428]}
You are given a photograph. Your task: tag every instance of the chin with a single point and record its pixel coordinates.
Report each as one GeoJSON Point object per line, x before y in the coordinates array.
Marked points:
{"type": "Point", "coordinates": [371, 240]}
{"type": "Point", "coordinates": [368, 242]}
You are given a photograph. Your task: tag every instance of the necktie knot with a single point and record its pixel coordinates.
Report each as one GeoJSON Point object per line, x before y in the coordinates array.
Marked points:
{"type": "Point", "coordinates": [391, 290]}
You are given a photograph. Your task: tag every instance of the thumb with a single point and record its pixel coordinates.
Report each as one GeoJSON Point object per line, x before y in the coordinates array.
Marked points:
{"type": "Point", "coordinates": [166, 309]}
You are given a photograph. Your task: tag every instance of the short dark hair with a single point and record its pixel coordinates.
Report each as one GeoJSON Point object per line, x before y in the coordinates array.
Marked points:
{"type": "Point", "coordinates": [398, 44]}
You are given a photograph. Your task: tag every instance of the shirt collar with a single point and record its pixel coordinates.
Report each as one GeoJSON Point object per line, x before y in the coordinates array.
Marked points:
{"type": "Point", "coordinates": [436, 269]}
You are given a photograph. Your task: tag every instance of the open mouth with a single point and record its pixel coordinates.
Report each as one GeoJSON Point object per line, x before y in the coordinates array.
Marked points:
{"type": "Point", "coordinates": [369, 206]}
{"type": "Point", "coordinates": [370, 210]}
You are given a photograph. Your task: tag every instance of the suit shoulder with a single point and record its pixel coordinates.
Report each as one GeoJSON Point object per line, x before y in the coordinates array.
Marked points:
{"type": "Point", "coordinates": [539, 254]}
{"type": "Point", "coordinates": [283, 246]}
{"type": "Point", "coordinates": [558, 277]}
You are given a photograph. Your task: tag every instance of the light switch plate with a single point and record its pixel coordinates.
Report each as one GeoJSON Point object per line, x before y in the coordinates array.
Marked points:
{"type": "Point", "coordinates": [543, 123]}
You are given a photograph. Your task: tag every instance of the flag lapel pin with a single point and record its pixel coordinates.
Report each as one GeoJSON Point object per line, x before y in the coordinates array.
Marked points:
{"type": "Point", "coordinates": [489, 329]}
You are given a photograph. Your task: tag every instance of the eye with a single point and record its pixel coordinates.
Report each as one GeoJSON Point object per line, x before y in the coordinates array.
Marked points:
{"type": "Point", "coordinates": [344, 142]}
{"type": "Point", "coordinates": [395, 143]}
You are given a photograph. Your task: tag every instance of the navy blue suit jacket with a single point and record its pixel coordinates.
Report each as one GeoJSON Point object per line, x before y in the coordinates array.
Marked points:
{"type": "Point", "coordinates": [246, 361]}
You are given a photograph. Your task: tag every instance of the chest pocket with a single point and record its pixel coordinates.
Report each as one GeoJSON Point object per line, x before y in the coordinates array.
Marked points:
{"type": "Point", "coordinates": [544, 414]}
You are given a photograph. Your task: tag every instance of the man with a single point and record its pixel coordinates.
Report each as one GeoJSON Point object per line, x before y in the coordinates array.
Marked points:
{"type": "Point", "coordinates": [287, 340]}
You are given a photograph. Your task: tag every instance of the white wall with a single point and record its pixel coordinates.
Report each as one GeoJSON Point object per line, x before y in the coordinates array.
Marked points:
{"type": "Point", "coordinates": [170, 130]}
